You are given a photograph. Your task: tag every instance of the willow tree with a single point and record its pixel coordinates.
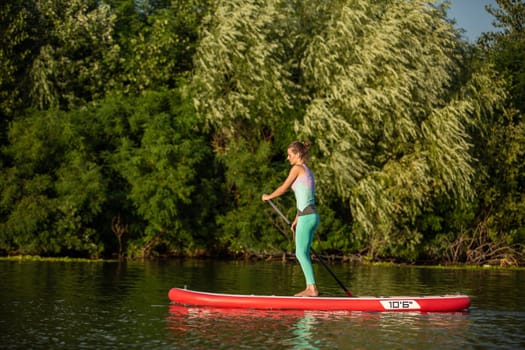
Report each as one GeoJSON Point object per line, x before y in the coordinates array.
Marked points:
{"type": "Point", "coordinates": [389, 115]}
{"type": "Point", "coordinates": [377, 85]}
{"type": "Point", "coordinates": [240, 72]}
{"type": "Point", "coordinates": [242, 89]}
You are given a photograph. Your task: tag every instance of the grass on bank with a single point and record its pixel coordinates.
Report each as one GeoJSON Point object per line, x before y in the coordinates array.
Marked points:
{"type": "Point", "coordinates": [369, 263]}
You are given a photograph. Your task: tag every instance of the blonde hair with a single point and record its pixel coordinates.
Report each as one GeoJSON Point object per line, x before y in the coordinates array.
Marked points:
{"type": "Point", "coordinates": [301, 148]}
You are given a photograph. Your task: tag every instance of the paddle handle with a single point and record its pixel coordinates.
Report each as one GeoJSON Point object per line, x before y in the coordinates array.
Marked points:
{"type": "Point", "coordinates": [347, 292]}
{"type": "Point", "coordinates": [279, 211]}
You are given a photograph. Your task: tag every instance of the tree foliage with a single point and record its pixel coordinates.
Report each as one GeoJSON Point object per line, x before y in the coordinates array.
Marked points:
{"type": "Point", "coordinates": [52, 191]}
{"type": "Point", "coordinates": [159, 46]}
{"type": "Point", "coordinates": [240, 74]}
{"type": "Point", "coordinates": [506, 46]}
{"type": "Point", "coordinates": [167, 165]}
{"type": "Point", "coordinates": [380, 86]}
{"type": "Point", "coordinates": [390, 133]}
{"type": "Point", "coordinates": [75, 54]}
{"type": "Point", "coordinates": [151, 127]}
{"type": "Point", "coordinates": [77, 165]}
{"type": "Point", "coordinates": [15, 45]}
{"type": "Point", "coordinates": [495, 234]}
{"type": "Point", "coordinates": [138, 158]}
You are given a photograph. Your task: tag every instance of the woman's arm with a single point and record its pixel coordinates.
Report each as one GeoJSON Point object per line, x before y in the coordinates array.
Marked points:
{"type": "Point", "coordinates": [294, 173]}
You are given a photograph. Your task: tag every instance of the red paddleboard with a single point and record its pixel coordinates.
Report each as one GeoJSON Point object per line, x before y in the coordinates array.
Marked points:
{"type": "Point", "coordinates": [442, 303]}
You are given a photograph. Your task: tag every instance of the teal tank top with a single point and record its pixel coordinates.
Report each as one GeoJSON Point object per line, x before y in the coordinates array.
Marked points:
{"type": "Point", "coordinates": [304, 189]}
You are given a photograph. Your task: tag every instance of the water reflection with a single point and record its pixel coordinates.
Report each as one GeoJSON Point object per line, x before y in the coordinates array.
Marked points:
{"type": "Point", "coordinates": [295, 329]}
{"type": "Point", "coordinates": [302, 332]}
{"type": "Point", "coordinates": [223, 328]}
{"type": "Point", "coordinates": [291, 329]}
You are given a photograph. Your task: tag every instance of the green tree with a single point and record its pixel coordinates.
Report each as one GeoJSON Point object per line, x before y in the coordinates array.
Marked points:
{"type": "Point", "coordinates": [142, 160]}
{"type": "Point", "coordinates": [52, 191]}
{"type": "Point", "coordinates": [495, 233]}
{"type": "Point", "coordinates": [489, 229]}
{"type": "Point", "coordinates": [242, 89]}
{"type": "Point", "coordinates": [64, 182]}
{"type": "Point", "coordinates": [168, 167]}
{"type": "Point", "coordinates": [15, 50]}
{"type": "Point", "coordinates": [240, 77]}
{"type": "Point", "coordinates": [378, 87]}
{"type": "Point", "coordinates": [158, 42]}
{"type": "Point", "coordinates": [391, 129]}
{"type": "Point", "coordinates": [506, 46]}
{"type": "Point", "coordinates": [74, 55]}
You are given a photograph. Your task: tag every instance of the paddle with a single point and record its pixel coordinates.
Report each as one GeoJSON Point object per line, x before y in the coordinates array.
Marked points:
{"type": "Point", "coordinates": [347, 292]}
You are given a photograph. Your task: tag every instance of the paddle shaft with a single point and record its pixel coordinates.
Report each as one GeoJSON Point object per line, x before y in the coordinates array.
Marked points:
{"type": "Point", "coordinates": [347, 292]}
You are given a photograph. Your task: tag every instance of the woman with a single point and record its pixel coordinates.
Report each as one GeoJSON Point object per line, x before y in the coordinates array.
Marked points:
{"type": "Point", "coordinates": [302, 182]}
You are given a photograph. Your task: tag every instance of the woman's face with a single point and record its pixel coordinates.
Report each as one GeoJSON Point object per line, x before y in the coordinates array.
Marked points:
{"type": "Point", "coordinates": [293, 158]}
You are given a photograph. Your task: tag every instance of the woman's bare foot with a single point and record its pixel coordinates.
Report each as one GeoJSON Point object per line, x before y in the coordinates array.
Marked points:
{"type": "Point", "coordinates": [310, 291]}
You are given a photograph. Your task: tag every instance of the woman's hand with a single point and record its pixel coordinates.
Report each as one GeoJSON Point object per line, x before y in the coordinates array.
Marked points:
{"type": "Point", "coordinates": [265, 197]}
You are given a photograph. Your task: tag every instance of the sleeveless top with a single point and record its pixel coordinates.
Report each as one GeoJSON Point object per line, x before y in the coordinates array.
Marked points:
{"type": "Point", "coordinates": [304, 189]}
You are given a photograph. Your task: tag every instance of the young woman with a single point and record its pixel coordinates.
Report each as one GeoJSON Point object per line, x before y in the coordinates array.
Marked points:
{"type": "Point", "coordinates": [302, 182]}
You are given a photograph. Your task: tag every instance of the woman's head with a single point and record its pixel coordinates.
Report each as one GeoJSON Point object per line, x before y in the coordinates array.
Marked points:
{"type": "Point", "coordinates": [299, 149]}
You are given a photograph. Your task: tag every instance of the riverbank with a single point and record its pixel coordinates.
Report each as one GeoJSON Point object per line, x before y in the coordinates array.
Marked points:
{"type": "Point", "coordinates": [284, 257]}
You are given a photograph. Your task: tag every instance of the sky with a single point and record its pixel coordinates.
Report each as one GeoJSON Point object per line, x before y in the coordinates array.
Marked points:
{"type": "Point", "coordinates": [472, 17]}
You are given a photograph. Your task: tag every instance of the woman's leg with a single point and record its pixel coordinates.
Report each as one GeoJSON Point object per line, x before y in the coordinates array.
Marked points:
{"type": "Point", "coordinates": [306, 226]}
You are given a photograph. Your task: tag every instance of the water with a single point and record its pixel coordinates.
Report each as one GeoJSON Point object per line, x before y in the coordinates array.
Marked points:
{"type": "Point", "coordinates": [76, 305]}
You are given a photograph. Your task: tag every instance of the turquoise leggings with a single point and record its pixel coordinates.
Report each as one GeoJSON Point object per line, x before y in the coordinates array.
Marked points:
{"type": "Point", "coordinates": [304, 234]}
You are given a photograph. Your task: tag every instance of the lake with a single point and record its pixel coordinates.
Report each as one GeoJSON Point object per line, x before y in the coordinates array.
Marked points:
{"type": "Point", "coordinates": [112, 305]}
